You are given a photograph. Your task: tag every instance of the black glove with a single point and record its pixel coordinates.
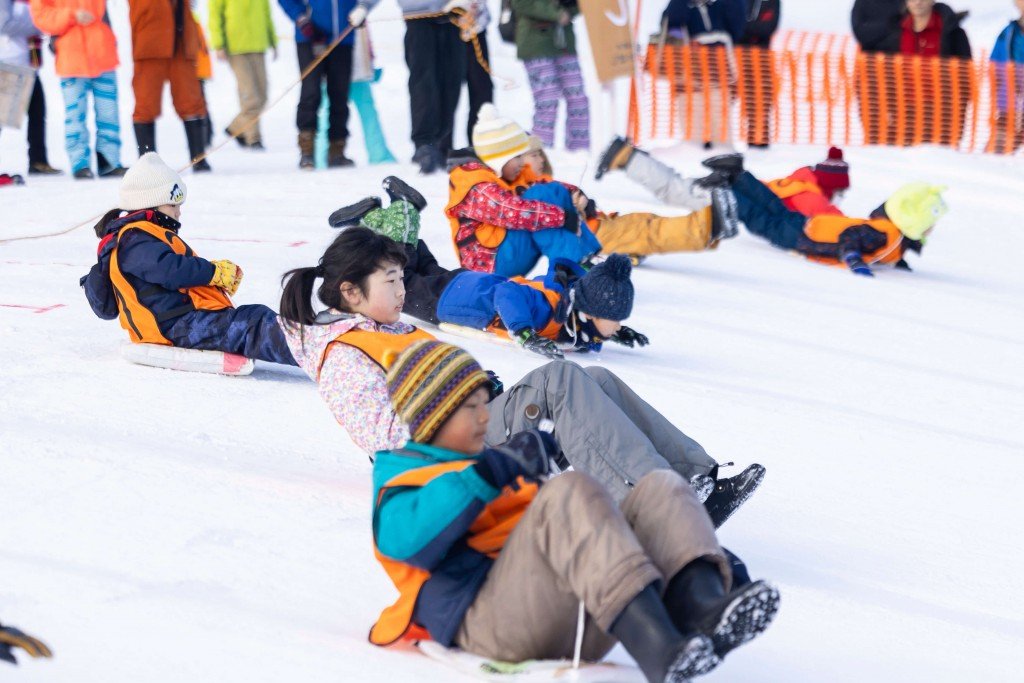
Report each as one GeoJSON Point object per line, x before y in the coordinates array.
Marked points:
{"type": "Point", "coordinates": [531, 341]}
{"type": "Point", "coordinates": [533, 450]}
{"type": "Point", "coordinates": [572, 220]}
{"type": "Point", "coordinates": [627, 336]}
{"type": "Point", "coordinates": [11, 637]}
{"type": "Point", "coordinates": [903, 265]}
{"type": "Point", "coordinates": [495, 387]}
{"type": "Point", "coordinates": [498, 469]}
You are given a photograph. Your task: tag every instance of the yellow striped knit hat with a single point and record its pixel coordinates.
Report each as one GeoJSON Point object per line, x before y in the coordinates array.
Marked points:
{"type": "Point", "coordinates": [428, 381]}
{"type": "Point", "coordinates": [496, 139]}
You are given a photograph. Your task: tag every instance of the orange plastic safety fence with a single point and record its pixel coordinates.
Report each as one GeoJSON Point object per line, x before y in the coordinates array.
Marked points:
{"type": "Point", "coordinates": [818, 89]}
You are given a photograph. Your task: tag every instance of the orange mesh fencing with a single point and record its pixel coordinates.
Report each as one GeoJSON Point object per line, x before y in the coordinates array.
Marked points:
{"type": "Point", "coordinates": [817, 88]}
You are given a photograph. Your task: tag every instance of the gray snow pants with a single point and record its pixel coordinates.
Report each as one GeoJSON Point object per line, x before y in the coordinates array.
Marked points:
{"type": "Point", "coordinates": [665, 183]}
{"type": "Point", "coordinates": [574, 543]}
{"type": "Point", "coordinates": [604, 428]}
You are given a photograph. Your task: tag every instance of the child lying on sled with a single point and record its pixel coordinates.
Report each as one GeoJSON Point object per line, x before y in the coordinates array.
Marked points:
{"type": "Point", "coordinates": [566, 306]}
{"type": "Point", "coordinates": [160, 289]}
{"type": "Point", "coordinates": [489, 557]}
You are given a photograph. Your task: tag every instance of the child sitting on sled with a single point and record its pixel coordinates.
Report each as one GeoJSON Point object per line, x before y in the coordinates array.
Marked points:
{"type": "Point", "coordinates": [566, 306]}
{"type": "Point", "coordinates": [901, 224]}
{"type": "Point", "coordinates": [159, 288]}
{"type": "Point", "coordinates": [603, 426]}
{"type": "Point", "coordinates": [489, 557]}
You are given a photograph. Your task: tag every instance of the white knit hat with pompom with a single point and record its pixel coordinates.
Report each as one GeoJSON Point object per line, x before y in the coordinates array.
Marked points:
{"type": "Point", "coordinates": [150, 183]}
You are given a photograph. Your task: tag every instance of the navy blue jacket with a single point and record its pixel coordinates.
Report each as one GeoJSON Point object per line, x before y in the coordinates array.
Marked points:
{"type": "Point", "coordinates": [330, 17]}
{"type": "Point", "coordinates": [151, 268]}
{"type": "Point", "coordinates": [722, 15]}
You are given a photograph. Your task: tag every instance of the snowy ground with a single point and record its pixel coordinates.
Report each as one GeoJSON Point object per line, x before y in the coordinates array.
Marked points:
{"type": "Point", "coordinates": [165, 526]}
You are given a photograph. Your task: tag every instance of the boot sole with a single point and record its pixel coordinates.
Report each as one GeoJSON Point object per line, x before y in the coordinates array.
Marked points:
{"type": "Point", "coordinates": [351, 214]}
{"type": "Point", "coordinates": [696, 659]}
{"type": "Point", "coordinates": [397, 189]}
{"type": "Point", "coordinates": [746, 617]}
{"type": "Point", "coordinates": [737, 502]}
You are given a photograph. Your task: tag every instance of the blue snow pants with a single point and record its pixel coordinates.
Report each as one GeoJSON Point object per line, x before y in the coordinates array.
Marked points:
{"type": "Point", "coordinates": [252, 331]}
{"type": "Point", "coordinates": [765, 215]}
{"type": "Point", "coordinates": [519, 252]}
{"type": "Point", "coordinates": [108, 126]}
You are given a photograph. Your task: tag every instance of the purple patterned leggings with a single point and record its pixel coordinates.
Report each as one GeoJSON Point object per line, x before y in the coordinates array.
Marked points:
{"type": "Point", "coordinates": [552, 79]}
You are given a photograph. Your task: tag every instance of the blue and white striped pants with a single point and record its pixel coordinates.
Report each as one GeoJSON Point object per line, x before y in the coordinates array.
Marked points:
{"type": "Point", "coordinates": [108, 127]}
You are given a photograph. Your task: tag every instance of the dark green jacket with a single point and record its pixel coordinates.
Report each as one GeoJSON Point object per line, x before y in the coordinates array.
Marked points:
{"type": "Point", "coordinates": [537, 26]}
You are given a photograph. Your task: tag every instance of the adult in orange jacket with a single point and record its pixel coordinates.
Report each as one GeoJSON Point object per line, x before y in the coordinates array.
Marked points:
{"type": "Point", "coordinates": [165, 46]}
{"type": "Point", "coordinates": [86, 62]}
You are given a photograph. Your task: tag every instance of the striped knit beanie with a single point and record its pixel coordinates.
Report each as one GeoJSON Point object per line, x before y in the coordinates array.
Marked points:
{"type": "Point", "coordinates": [428, 381]}
{"type": "Point", "coordinates": [496, 139]}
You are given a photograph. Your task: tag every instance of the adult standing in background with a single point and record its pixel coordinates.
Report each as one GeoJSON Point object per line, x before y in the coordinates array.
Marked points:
{"type": "Point", "coordinates": [479, 85]}
{"type": "Point", "coordinates": [876, 26]}
{"type": "Point", "coordinates": [20, 44]}
{"type": "Point", "coordinates": [762, 22]}
{"type": "Point", "coordinates": [241, 31]}
{"type": "Point", "coordinates": [318, 23]}
{"type": "Point", "coordinates": [165, 45]}
{"type": "Point", "coordinates": [86, 61]}
{"type": "Point", "coordinates": [1008, 56]}
{"type": "Point", "coordinates": [436, 56]}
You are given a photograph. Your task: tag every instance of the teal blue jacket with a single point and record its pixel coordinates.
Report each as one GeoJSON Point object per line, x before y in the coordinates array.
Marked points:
{"type": "Point", "coordinates": [426, 527]}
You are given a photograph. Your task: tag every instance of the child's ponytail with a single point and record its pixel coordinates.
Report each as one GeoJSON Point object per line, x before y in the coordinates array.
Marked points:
{"type": "Point", "coordinates": [109, 217]}
{"type": "Point", "coordinates": [352, 257]}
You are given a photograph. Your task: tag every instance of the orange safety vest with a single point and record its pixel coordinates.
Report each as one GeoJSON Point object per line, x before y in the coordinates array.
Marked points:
{"type": "Point", "coordinates": [381, 347]}
{"type": "Point", "coordinates": [552, 329]}
{"type": "Point", "coordinates": [140, 322]}
{"type": "Point", "coordinates": [828, 228]}
{"type": "Point", "coordinates": [460, 182]}
{"type": "Point", "coordinates": [487, 535]}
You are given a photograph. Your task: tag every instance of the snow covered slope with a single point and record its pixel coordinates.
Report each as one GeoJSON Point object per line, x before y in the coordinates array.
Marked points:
{"type": "Point", "coordinates": [162, 526]}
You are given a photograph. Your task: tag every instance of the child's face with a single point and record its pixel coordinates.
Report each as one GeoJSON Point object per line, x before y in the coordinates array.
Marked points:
{"type": "Point", "coordinates": [172, 210]}
{"type": "Point", "coordinates": [513, 167]}
{"type": "Point", "coordinates": [606, 328]}
{"type": "Point", "coordinates": [535, 158]}
{"type": "Point", "coordinates": [464, 430]}
{"type": "Point", "coordinates": [383, 298]}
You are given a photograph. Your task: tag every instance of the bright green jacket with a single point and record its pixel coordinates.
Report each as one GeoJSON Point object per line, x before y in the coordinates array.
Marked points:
{"type": "Point", "coordinates": [241, 26]}
{"type": "Point", "coordinates": [536, 27]}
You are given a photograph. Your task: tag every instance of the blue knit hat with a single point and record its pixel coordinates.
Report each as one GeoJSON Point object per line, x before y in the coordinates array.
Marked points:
{"type": "Point", "coordinates": [605, 291]}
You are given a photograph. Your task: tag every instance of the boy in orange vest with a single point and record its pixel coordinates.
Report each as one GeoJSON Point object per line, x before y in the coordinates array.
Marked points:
{"type": "Point", "coordinates": [899, 225]}
{"type": "Point", "coordinates": [159, 288]}
{"type": "Point", "coordinates": [488, 556]}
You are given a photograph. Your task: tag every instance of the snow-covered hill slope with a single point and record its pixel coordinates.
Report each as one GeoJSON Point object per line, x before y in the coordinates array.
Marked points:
{"type": "Point", "coordinates": [162, 526]}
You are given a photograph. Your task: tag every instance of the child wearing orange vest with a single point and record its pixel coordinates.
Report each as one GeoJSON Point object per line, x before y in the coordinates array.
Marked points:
{"type": "Point", "coordinates": [159, 288]}
{"type": "Point", "coordinates": [604, 428]}
{"type": "Point", "coordinates": [488, 556]}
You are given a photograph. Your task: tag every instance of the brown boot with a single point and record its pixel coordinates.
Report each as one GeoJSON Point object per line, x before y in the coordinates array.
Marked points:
{"type": "Point", "coordinates": [306, 140]}
{"type": "Point", "coordinates": [336, 155]}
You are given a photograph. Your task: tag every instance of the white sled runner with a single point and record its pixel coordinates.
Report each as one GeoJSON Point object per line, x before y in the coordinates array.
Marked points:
{"type": "Point", "coordinates": [532, 670]}
{"type": "Point", "coordinates": [484, 335]}
{"type": "Point", "coordinates": [189, 360]}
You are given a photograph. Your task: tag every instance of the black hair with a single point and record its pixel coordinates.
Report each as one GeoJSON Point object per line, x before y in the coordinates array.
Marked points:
{"type": "Point", "coordinates": [109, 217]}
{"type": "Point", "coordinates": [353, 256]}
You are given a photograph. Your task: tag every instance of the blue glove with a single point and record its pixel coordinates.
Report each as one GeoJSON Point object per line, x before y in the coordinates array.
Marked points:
{"type": "Point", "coordinates": [855, 263]}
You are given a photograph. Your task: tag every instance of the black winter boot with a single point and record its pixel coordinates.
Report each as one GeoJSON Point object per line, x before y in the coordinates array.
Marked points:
{"type": "Point", "coordinates": [399, 190]}
{"type": "Point", "coordinates": [697, 603]}
{"type": "Point", "coordinates": [730, 165]}
{"type": "Point", "coordinates": [662, 652]}
{"type": "Point", "coordinates": [614, 157]}
{"type": "Point", "coordinates": [145, 137]}
{"type": "Point", "coordinates": [107, 169]}
{"type": "Point", "coordinates": [353, 213]}
{"type": "Point", "coordinates": [725, 221]}
{"type": "Point", "coordinates": [195, 133]}
{"type": "Point", "coordinates": [731, 493]}
{"type": "Point", "coordinates": [427, 158]}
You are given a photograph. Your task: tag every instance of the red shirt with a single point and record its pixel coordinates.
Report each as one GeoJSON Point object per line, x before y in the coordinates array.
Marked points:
{"type": "Point", "coordinates": [924, 43]}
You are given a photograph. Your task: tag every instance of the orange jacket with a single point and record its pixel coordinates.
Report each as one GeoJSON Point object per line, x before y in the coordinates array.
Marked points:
{"type": "Point", "coordinates": [83, 50]}
{"type": "Point", "coordinates": [800, 192]}
{"type": "Point", "coordinates": [204, 66]}
{"type": "Point", "coordinates": [140, 322]}
{"type": "Point", "coordinates": [155, 33]}
{"type": "Point", "coordinates": [828, 228]}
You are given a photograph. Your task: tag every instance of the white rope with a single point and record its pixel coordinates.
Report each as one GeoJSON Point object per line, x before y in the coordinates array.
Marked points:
{"type": "Point", "coordinates": [580, 623]}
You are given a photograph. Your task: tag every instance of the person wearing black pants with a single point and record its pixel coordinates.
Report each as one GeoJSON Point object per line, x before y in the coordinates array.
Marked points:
{"type": "Point", "coordinates": [336, 70]}
{"type": "Point", "coordinates": [478, 79]}
{"type": "Point", "coordinates": [436, 57]}
{"type": "Point", "coordinates": [38, 163]}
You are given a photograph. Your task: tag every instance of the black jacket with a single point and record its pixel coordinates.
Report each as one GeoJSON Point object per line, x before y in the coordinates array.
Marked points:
{"type": "Point", "coordinates": [876, 24]}
{"type": "Point", "coordinates": [954, 42]}
{"type": "Point", "coordinates": [762, 21]}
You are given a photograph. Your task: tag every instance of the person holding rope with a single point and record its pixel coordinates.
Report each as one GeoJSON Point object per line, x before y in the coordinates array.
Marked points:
{"type": "Point", "coordinates": [318, 25]}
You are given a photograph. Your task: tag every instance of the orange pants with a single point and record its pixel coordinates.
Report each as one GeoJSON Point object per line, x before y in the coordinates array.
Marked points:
{"type": "Point", "coordinates": [148, 84]}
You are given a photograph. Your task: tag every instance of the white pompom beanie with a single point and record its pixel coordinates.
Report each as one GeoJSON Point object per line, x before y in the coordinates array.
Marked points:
{"type": "Point", "coordinates": [496, 139]}
{"type": "Point", "coordinates": [150, 183]}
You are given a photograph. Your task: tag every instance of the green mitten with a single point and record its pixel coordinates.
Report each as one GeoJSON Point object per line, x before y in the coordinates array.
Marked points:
{"type": "Point", "coordinates": [400, 221]}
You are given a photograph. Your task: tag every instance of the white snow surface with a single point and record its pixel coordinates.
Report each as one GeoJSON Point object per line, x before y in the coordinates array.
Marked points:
{"type": "Point", "coordinates": [166, 526]}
